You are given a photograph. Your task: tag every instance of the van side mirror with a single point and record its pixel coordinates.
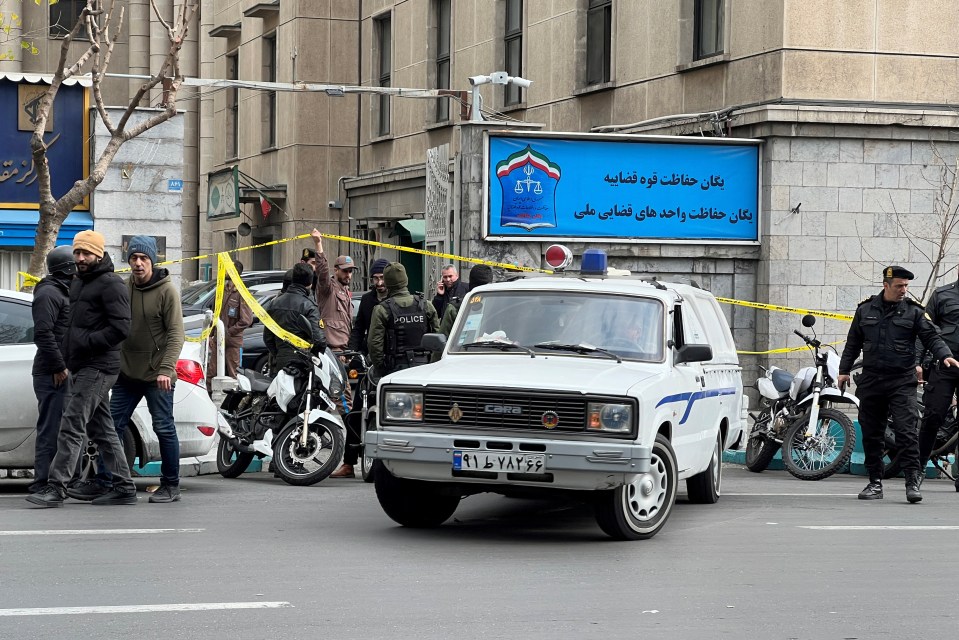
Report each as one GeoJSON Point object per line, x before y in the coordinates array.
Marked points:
{"type": "Point", "coordinates": [434, 342]}
{"type": "Point", "coordinates": [694, 353]}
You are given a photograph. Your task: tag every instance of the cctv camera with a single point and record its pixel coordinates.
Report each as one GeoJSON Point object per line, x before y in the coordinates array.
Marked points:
{"type": "Point", "coordinates": [478, 80]}
{"type": "Point", "coordinates": [521, 82]}
{"type": "Point", "coordinates": [332, 204]}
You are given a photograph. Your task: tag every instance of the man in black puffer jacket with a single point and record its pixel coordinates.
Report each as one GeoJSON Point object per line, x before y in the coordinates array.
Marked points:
{"type": "Point", "coordinates": [51, 379]}
{"type": "Point", "coordinates": [99, 322]}
{"type": "Point", "coordinates": [287, 309]}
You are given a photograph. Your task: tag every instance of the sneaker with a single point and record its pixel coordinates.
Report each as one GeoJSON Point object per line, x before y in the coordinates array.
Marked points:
{"type": "Point", "coordinates": [48, 496]}
{"type": "Point", "coordinates": [116, 496]}
{"type": "Point", "coordinates": [873, 491]}
{"type": "Point", "coordinates": [87, 490]}
{"type": "Point", "coordinates": [166, 493]}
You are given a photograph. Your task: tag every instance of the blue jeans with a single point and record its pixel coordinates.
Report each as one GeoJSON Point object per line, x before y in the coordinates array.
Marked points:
{"type": "Point", "coordinates": [50, 401]}
{"type": "Point", "coordinates": [127, 394]}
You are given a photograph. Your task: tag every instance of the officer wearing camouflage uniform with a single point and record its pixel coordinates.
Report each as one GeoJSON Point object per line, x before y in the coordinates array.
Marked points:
{"type": "Point", "coordinates": [884, 329]}
{"type": "Point", "coordinates": [398, 325]}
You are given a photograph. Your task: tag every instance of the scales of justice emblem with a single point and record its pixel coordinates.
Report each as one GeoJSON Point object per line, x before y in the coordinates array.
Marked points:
{"type": "Point", "coordinates": [528, 181]}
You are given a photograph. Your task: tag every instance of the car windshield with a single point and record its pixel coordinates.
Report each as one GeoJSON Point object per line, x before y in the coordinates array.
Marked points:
{"type": "Point", "coordinates": [197, 292]}
{"type": "Point", "coordinates": [580, 324]}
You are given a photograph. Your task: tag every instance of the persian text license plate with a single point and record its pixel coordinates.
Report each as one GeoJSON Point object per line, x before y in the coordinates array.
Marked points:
{"type": "Point", "coordinates": [499, 461]}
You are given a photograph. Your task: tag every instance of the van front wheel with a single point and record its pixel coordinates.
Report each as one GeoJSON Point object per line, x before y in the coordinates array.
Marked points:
{"type": "Point", "coordinates": [639, 509]}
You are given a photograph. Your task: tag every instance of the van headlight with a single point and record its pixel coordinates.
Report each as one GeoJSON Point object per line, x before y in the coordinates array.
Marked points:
{"type": "Point", "coordinates": [403, 405]}
{"type": "Point", "coordinates": [610, 417]}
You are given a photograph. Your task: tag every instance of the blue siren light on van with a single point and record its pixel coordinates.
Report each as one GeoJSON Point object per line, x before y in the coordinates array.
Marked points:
{"type": "Point", "coordinates": [594, 262]}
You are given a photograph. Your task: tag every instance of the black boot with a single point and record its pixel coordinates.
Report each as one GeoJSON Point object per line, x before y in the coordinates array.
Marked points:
{"type": "Point", "coordinates": [873, 490]}
{"type": "Point", "coordinates": [912, 486]}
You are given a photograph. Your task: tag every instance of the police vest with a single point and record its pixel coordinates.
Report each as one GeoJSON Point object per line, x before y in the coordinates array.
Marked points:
{"type": "Point", "coordinates": [405, 328]}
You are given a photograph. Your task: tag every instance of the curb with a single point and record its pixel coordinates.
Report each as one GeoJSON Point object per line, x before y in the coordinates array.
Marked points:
{"type": "Point", "coordinates": [856, 465]}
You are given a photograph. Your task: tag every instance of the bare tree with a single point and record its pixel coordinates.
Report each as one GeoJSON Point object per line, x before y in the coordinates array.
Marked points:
{"type": "Point", "coordinates": [102, 27]}
{"type": "Point", "coordinates": [933, 243]}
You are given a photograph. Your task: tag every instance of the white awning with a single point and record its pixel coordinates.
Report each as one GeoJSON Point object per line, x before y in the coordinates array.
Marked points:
{"type": "Point", "coordinates": [83, 81]}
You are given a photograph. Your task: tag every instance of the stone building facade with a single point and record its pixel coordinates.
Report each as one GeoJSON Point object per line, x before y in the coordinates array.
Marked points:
{"type": "Point", "coordinates": [137, 195]}
{"type": "Point", "coordinates": [848, 99]}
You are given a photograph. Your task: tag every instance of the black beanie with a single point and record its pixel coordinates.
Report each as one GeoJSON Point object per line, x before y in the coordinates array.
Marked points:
{"type": "Point", "coordinates": [480, 274]}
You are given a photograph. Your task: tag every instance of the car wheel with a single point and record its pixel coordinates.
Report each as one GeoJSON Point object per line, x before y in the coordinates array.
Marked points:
{"type": "Point", "coordinates": [412, 503]}
{"type": "Point", "coordinates": [639, 509]}
{"type": "Point", "coordinates": [90, 456]}
{"type": "Point", "coordinates": [262, 364]}
{"type": "Point", "coordinates": [706, 487]}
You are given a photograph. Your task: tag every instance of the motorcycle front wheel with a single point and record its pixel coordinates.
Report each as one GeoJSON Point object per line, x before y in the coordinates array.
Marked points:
{"type": "Point", "coordinates": [760, 448]}
{"type": "Point", "coordinates": [823, 454]}
{"type": "Point", "coordinates": [303, 465]}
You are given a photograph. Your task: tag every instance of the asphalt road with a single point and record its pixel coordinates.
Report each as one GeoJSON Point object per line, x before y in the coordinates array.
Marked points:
{"type": "Point", "coordinates": [255, 558]}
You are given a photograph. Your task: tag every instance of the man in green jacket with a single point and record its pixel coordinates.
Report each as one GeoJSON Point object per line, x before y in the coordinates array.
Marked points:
{"type": "Point", "coordinates": [148, 362]}
{"type": "Point", "coordinates": [398, 325]}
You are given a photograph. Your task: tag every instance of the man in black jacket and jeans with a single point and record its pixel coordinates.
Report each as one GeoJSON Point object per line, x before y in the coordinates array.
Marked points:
{"type": "Point", "coordinates": [286, 309]}
{"type": "Point", "coordinates": [51, 312]}
{"type": "Point", "coordinates": [99, 322]}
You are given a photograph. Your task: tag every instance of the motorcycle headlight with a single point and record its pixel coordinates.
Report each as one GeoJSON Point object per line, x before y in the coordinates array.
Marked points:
{"type": "Point", "coordinates": [403, 405]}
{"type": "Point", "coordinates": [336, 387]}
{"type": "Point", "coordinates": [614, 418]}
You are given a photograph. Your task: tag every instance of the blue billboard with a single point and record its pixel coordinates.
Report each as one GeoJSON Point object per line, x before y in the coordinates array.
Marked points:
{"type": "Point", "coordinates": [624, 188]}
{"type": "Point", "coordinates": [66, 140]}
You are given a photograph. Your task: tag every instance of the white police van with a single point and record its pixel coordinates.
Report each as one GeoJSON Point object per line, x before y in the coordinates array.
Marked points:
{"type": "Point", "coordinates": [612, 389]}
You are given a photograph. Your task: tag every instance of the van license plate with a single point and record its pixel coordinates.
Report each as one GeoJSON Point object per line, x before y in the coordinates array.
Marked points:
{"type": "Point", "coordinates": [499, 462]}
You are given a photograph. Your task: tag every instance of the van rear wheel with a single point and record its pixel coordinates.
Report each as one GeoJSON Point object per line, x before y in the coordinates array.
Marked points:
{"type": "Point", "coordinates": [639, 509]}
{"type": "Point", "coordinates": [705, 487]}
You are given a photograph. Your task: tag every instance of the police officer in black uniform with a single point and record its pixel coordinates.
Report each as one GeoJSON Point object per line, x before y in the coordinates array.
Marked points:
{"type": "Point", "coordinates": [885, 329]}
{"type": "Point", "coordinates": [942, 309]}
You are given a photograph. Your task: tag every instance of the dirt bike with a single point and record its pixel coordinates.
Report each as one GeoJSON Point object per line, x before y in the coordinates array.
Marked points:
{"type": "Point", "coordinates": [299, 407]}
{"type": "Point", "coordinates": [796, 414]}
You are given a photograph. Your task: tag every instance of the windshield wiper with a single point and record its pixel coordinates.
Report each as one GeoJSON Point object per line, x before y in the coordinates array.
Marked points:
{"type": "Point", "coordinates": [499, 344]}
{"type": "Point", "coordinates": [576, 348]}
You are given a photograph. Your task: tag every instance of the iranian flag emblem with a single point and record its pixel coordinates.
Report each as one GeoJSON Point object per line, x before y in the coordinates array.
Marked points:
{"type": "Point", "coordinates": [528, 180]}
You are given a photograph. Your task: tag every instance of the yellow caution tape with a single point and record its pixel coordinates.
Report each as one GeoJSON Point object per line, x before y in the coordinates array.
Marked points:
{"type": "Point", "coordinates": [776, 307]}
{"type": "Point", "coordinates": [25, 279]}
{"type": "Point", "coordinates": [782, 350]}
{"type": "Point", "coordinates": [226, 269]}
{"type": "Point", "coordinates": [435, 254]}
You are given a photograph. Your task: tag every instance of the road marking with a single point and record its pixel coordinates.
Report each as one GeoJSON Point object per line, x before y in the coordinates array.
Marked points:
{"type": "Point", "coordinates": [799, 495]}
{"type": "Point", "coordinates": [143, 608]}
{"type": "Point", "coordinates": [94, 532]}
{"type": "Point", "coordinates": [908, 527]}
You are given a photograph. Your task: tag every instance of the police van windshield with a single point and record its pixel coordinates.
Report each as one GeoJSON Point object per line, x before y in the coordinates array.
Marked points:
{"type": "Point", "coordinates": [630, 327]}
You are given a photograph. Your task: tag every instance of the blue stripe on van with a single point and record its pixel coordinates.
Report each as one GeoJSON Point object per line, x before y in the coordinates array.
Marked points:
{"type": "Point", "coordinates": [690, 397]}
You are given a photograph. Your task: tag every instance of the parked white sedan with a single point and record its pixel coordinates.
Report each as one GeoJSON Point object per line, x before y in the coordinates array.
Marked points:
{"type": "Point", "coordinates": [193, 411]}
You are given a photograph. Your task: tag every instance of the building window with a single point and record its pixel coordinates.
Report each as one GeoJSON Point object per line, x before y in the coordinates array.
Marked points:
{"type": "Point", "coordinates": [384, 65]}
{"type": "Point", "coordinates": [63, 15]}
{"type": "Point", "coordinates": [232, 107]}
{"type": "Point", "coordinates": [269, 97]}
{"type": "Point", "coordinates": [513, 41]}
{"type": "Point", "coordinates": [599, 35]}
{"type": "Point", "coordinates": [708, 26]}
{"type": "Point", "coordinates": [442, 57]}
